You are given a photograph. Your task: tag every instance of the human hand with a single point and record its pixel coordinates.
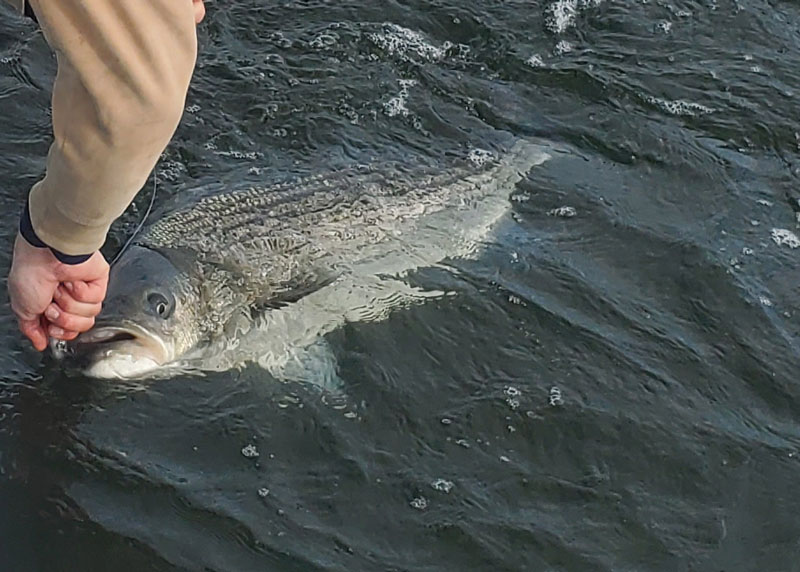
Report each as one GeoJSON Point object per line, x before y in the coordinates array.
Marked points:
{"type": "Point", "coordinates": [52, 298]}
{"type": "Point", "coordinates": [199, 11]}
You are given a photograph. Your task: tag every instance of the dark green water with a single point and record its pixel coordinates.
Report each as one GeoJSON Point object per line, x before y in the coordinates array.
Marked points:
{"type": "Point", "coordinates": [615, 390]}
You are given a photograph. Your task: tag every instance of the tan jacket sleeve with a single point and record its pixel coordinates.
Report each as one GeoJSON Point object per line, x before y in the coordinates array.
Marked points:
{"type": "Point", "coordinates": [124, 68]}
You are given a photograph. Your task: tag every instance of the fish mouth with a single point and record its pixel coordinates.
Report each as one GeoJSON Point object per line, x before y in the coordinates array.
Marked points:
{"type": "Point", "coordinates": [126, 339]}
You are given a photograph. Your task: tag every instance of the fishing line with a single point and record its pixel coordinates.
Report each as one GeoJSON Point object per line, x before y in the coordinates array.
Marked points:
{"type": "Point", "coordinates": [141, 222]}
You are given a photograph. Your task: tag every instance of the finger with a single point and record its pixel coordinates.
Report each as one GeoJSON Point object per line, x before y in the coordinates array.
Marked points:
{"type": "Point", "coordinates": [70, 305]}
{"type": "Point", "coordinates": [33, 330]}
{"type": "Point", "coordinates": [199, 11]}
{"type": "Point", "coordinates": [67, 321]}
{"type": "Point", "coordinates": [59, 334]}
{"type": "Point", "coordinates": [91, 292]}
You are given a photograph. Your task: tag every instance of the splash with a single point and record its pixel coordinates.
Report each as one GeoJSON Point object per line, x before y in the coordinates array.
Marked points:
{"type": "Point", "coordinates": [562, 14]}
{"type": "Point", "coordinates": [784, 237]}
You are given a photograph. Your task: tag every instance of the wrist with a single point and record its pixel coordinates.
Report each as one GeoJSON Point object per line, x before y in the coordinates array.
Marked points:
{"type": "Point", "coordinates": [27, 255]}
{"type": "Point", "coordinates": [28, 234]}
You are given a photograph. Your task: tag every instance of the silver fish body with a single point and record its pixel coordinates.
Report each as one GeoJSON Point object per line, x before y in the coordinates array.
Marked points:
{"type": "Point", "coordinates": [196, 275]}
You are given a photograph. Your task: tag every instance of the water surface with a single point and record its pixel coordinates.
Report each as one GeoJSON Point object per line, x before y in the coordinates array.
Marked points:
{"type": "Point", "coordinates": [611, 390]}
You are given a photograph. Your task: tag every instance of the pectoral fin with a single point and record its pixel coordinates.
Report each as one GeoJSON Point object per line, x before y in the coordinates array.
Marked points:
{"type": "Point", "coordinates": [315, 364]}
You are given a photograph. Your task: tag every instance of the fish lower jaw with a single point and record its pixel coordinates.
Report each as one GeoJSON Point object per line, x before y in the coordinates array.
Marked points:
{"type": "Point", "coordinates": [121, 366]}
{"type": "Point", "coordinates": [124, 352]}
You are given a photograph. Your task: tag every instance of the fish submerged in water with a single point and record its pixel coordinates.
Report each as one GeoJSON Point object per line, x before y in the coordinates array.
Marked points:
{"type": "Point", "coordinates": [299, 258]}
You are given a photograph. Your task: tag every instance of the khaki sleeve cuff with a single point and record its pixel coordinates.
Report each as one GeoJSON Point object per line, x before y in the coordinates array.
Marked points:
{"type": "Point", "coordinates": [58, 230]}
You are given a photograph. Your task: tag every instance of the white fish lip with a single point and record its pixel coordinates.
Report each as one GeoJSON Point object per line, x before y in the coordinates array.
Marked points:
{"type": "Point", "coordinates": [127, 333]}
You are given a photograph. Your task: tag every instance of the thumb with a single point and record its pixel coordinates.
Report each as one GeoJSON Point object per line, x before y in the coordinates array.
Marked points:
{"type": "Point", "coordinates": [35, 332]}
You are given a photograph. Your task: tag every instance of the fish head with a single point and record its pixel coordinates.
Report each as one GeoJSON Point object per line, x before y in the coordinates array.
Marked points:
{"type": "Point", "coordinates": [149, 318]}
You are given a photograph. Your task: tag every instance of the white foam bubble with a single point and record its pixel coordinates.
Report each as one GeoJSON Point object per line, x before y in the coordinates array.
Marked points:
{"type": "Point", "coordinates": [247, 155]}
{"type": "Point", "coordinates": [784, 237]}
{"type": "Point", "coordinates": [555, 397]}
{"type": "Point", "coordinates": [250, 451]}
{"type": "Point", "coordinates": [397, 105]}
{"type": "Point", "coordinates": [513, 396]}
{"type": "Point", "coordinates": [419, 503]}
{"type": "Point", "coordinates": [480, 157]}
{"type": "Point", "coordinates": [664, 26]}
{"type": "Point", "coordinates": [562, 47]}
{"type": "Point", "coordinates": [678, 106]}
{"type": "Point", "coordinates": [563, 212]}
{"type": "Point", "coordinates": [405, 43]}
{"type": "Point", "coordinates": [443, 485]}
{"type": "Point", "coordinates": [561, 14]}
{"type": "Point", "coordinates": [535, 61]}
{"type": "Point", "coordinates": [171, 171]}
{"type": "Point", "coordinates": [516, 300]}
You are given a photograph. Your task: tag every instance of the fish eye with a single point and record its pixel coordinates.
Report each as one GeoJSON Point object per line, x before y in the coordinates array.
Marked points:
{"type": "Point", "coordinates": [160, 304]}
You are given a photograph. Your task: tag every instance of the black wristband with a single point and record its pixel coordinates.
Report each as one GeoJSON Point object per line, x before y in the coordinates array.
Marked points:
{"type": "Point", "coordinates": [27, 232]}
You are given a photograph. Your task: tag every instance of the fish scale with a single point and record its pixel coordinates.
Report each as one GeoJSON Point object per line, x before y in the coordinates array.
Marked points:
{"type": "Point", "coordinates": [346, 205]}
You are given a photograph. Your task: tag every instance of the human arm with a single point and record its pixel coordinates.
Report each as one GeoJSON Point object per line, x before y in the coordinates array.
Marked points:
{"type": "Point", "coordinates": [123, 72]}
